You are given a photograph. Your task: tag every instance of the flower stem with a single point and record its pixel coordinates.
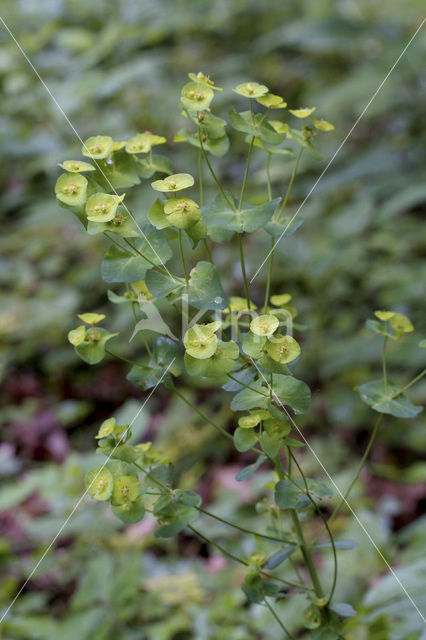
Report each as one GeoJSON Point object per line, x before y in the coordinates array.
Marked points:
{"type": "Point", "coordinates": [219, 186]}
{"type": "Point", "coordinates": [286, 631]}
{"type": "Point", "coordinates": [283, 205]}
{"type": "Point", "coordinates": [407, 386]}
{"type": "Point", "coordinates": [243, 270]}
{"type": "Point", "coordinates": [182, 257]}
{"type": "Point", "coordinates": [243, 186]}
{"type": "Point", "coordinates": [385, 377]}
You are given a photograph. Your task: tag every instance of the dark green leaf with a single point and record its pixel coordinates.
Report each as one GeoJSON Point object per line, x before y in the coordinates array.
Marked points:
{"type": "Point", "coordinates": [279, 556]}
{"type": "Point", "coordinates": [248, 471]}
{"type": "Point", "coordinates": [244, 439]}
{"type": "Point", "coordinates": [374, 394]}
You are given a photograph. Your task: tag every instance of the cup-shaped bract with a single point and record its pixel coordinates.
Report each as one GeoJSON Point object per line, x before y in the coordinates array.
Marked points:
{"type": "Point", "coordinates": [76, 166]}
{"type": "Point", "coordinates": [271, 101]}
{"type": "Point", "coordinates": [99, 483]}
{"type": "Point", "coordinates": [91, 318]}
{"type": "Point", "coordinates": [106, 429]}
{"type": "Point", "coordinates": [322, 125]}
{"type": "Point", "coordinates": [182, 212]}
{"type": "Point", "coordinates": [249, 422]}
{"type": "Point", "coordinates": [201, 78]}
{"type": "Point", "coordinates": [102, 207]}
{"type": "Point", "coordinates": [237, 304]}
{"type": "Point", "coordinates": [76, 336]}
{"type": "Point", "coordinates": [303, 112]}
{"type": "Point", "coordinates": [200, 341]}
{"type": "Point", "coordinates": [175, 182]}
{"type": "Point", "coordinates": [251, 90]}
{"type": "Point", "coordinates": [283, 349]}
{"type": "Point", "coordinates": [264, 325]}
{"type": "Point", "coordinates": [97, 147]}
{"type": "Point", "coordinates": [196, 96]}
{"type": "Point", "coordinates": [280, 299]}
{"type": "Point", "coordinates": [71, 189]}
{"type": "Point", "coordinates": [143, 142]}
{"type": "Point", "coordinates": [401, 324]}
{"type": "Point", "coordinates": [126, 489]}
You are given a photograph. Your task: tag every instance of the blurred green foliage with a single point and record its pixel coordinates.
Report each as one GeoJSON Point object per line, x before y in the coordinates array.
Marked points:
{"type": "Point", "coordinates": [117, 67]}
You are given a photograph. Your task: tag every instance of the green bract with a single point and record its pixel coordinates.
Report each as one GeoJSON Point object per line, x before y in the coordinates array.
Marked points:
{"type": "Point", "coordinates": [182, 212]}
{"type": "Point", "coordinates": [101, 207]}
{"type": "Point", "coordinates": [99, 483]}
{"type": "Point", "coordinates": [76, 336]}
{"type": "Point", "coordinates": [283, 349]}
{"type": "Point", "coordinates": [221, 362]}
{"type": "Point", "coordinates": [251, 90]}
{"type": "Point", "coordinates": [91, 318]}
{"type": "Point", "coordinates": [272, 101]}
{"type": "Point", "coordinates": [200, 341]}
{"type": "Point", "coordinates": [143, 142]}
{"type": "Point", "coordinates": [249, 422]}
{"type": "Point", "coordinates": [384, 315]}
{"type": "Point", "coordinates": [97, 147]}
{"type": "Point", "coordinates": [76, 166]}
{"type": "Point", "coordinates": [401, 324]}
{"type": "Point", "coordinates": [264, 325]}
{"type": "Point", "coordinates": [322, 125]}
{"type": "Point", "coordinates": [175, 182]}
{"type": "Point", "coordinates": [196, 96]}
{"type": "Point", "coordinates": [71, 189]}
{"type": "Point", "coordinates": [302, 113]}
{"type": "Point", "coordinates": [125, 490]}
{"type": "Point", "coordinates": [200, 78]}
{"type": "Point", "coordinates": [237, 304]}
{"type": "Point", "coordinates": [281, 299]}
{"type": "Point", "coordinates": [106, 429]}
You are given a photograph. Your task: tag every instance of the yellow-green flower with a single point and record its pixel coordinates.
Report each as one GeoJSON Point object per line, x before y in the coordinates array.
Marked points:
{"type": "Point", "coordinates": [175, 182]}
{"type": "Point", "coordinates": [264, 325]}
{"type": "Point", "coordinates": [251, 90]}
{"type": "Point", "coordinates": [182, 212]}
{"type": "Point", "coordinates": [106, 429]}
{"type": "Point", "coordinates": [101, 207]}
{"type": "Point", "coordinates": [201, 78]}
{"type": "Point", "coordinates": [283, 349]}
{"type": "Point", "coordinates": [200, 341]}
{"type": "Point", "coordinates": [76, 336]}
{"type": "Point", "coordinates": [249, 422]}
{"type": "Point", "coordinates": [97, 147]}
{"type": "Point", "coordinates": [91, 318]}
{"type": "Point", "coordinates": [71, 189]}
{"type": "Point", "coordinates": [99, 483]}
{"type": "Point", "coordinates": [196, 96]}
{"type": "Point", "coordinates": [271, 101]}
{"type": "Point", "coordinates": [303, 112]}
{"type": "Point", "coordinates": [280, 299]}
{"type": "Point", "coordinates": [126, 489]}
{"type": "Point", "coordinates": [384, 315]}
{"type": "Point", "coordinates": [76, 166]}
{"type": "Point", "coordinates": [401, 323]}
{"type": "Point", "coordinates": [237, 304]}
{"type": "Point", "coordinates": [143, 142]}
{"type": "Point", "coordinates": [322, 125]}
{"type": "Point", "coordinates": [280, 127]}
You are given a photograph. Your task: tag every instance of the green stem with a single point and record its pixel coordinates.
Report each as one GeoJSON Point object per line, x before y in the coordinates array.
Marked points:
{"type": "Point", "coordinates": [307, 556]}
{"type": "Point", "coordinates": [115, 355]}
{"type": "Point", "coordinates": [117, 243]}
{"type": "Point", "coordinates": [269, 276]}
{"type": "Point", "coordinates": [237, 559]}
{"type": "Point", "coordinates": [156, 266]}
{"type": "Point", "coordinates": [182, 257]}
{"type": "Point", "coordinates": [330, 535]}
{"type": "Point", "coordinates": [243, 186]}
{"type": "Point", "coordinates": [385, 378]}
{"type": "Point", "coordinates": [200, 172]}
{"type": "Point", "coordinates": [219, 186]}
{"type": "Point", "coordinates": [407, 386]}
{"type": "Point", "coordinates": [203, 415]}
{"type": "Point", "coordinates": [246, 385]}
{"type": "Point", "coordinates": [253, 533]}
{"type": "Point", "coordinates": [243, 270]}
{"type": "Point", "coordinates": [268, 176]}
{"type": "Point", "coordinates": [283, 205]}
{"type": "Point", "coordinates": [206, 247]}
{"type": "Point", "coordinates": [286, 631]}
{"type": "Point", "coordinates": [354, 479]}
{"type": "Point", "coordinates": [144, 340]}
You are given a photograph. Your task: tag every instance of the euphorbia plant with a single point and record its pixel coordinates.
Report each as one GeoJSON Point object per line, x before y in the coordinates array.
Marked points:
{"type": "Point", "coordinates": [241, 346]}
